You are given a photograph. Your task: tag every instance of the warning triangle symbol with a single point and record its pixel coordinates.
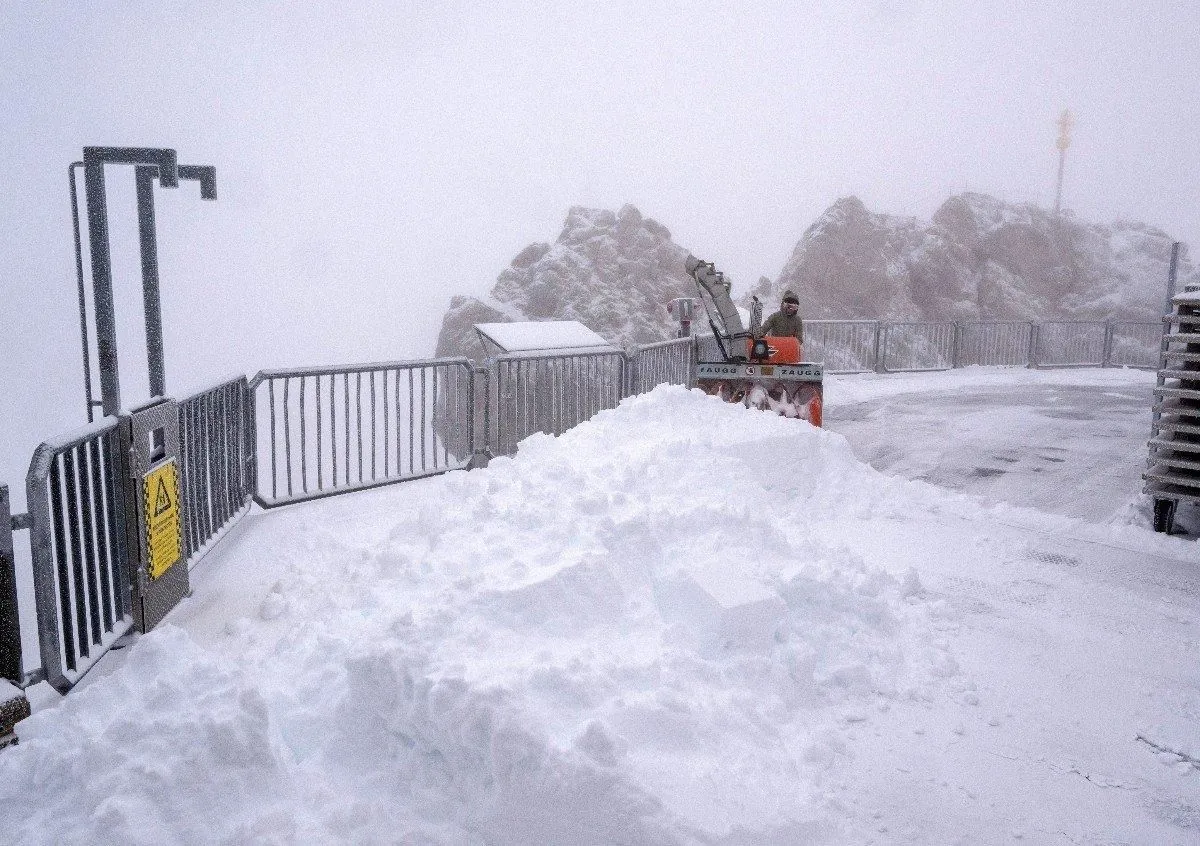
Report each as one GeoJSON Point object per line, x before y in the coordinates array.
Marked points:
{"type": "Point", "coordinates": [162, 500]}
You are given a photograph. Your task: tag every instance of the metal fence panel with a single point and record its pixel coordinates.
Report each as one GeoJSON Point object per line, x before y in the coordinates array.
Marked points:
{"type": "Point", "coordinates": [1070, 344]}
{"type": "Point", "coordinates": [912, 347]}
{"type": "Point", "coordinates": [845, 346]}
{"type": "Point", "coordinates": [215, 448]}
{"type": "Point", "coordinates": [550, 393]}
{"type": "Point", "coordinates": [993, 344]}
{"type": "Point", "coordinates": [77, 488]}
{"type": "Point", "coordinates": [1135, 344]}
{"type": "Point", "coordinates": [665, 363]}
{"type": "Point", "coordinates": [327, 430]}
{"type": "Point", "coordinates": [707, 348]}
{"type": "Point", "coordinates": [10, 621]}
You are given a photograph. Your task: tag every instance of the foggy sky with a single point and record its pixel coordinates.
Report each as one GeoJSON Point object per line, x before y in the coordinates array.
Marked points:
{"type": "Point", "coordinates": [375, 159]}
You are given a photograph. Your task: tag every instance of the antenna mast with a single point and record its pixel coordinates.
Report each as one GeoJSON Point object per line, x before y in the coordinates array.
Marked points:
{"type": "Point", "coordinates": [1065, 123]}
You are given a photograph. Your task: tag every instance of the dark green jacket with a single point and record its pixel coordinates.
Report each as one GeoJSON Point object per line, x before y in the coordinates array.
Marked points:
{"type": "Point", "coordinates": [780, 325]}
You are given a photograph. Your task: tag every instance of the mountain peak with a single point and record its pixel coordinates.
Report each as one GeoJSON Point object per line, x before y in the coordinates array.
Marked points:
{"type": "Point", "coordinates": [979, 257]}
{"type": "Point", "coordinates": [612, 271]}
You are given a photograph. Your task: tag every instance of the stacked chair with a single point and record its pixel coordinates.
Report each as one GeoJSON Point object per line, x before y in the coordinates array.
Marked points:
{"type": "Point", "coordinates": [1173, 471]}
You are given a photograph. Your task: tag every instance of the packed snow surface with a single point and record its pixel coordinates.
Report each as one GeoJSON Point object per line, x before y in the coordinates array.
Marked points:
{"type": "Point", "coordinates": [546, 335]}
{"type": "Point", "coordinates": [680, 622]}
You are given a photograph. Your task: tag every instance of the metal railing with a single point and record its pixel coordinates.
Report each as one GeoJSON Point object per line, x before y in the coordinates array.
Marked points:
{"type": "Point", "coordinates": [993, 344]}
{"type": "Point", "coordinates": [915, 347]}
{"type": "Point", "coordinates": [550, 393]}
{"type": "Point", "coordinates": [335, 429]}
{"type": "Point", "coordinates": [664, 363]}
{"type": "Point", "coordinates": [299, 434]}
{"type": "Point", "coordinates": [1070, 344]}
{"type": "Point", "coordinates": [216, 445]}
{"type": "Point", "coordinates": [707, 348]}
{"type": "Point", "coordinates": [77, 488]}
{"type": "Point", "coordinates": [845, 346]}
{"type": "Point", "coordinates": [1134, 344]}
{"type": "Point", "coordinates": [856, 346]}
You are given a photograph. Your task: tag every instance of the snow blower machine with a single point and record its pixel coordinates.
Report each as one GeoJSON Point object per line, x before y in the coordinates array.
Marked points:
{"type": "Point", "coordinates": [742, 366]}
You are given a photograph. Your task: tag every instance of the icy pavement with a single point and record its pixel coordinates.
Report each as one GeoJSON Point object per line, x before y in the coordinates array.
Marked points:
{"type": "Point", "coordinates": [682, 622]}
{"type": "Point", "coordinates": [1075, 449]}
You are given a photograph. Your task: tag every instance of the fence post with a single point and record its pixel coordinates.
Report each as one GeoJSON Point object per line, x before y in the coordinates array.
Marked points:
{"type": "Point", "coordinates": [480, 454]}
{"type": "Point", "coordinates": [1106, 358]}
{"type": "Point", "coordinates": [1035, 333]}
{"type": "Point", "coordinates": [10, 623]}
{"type": "Point", "coordinates": [14, 707]}
{"type": "Point", "coordinates": [955, 355]}
{"type": "Point", "coordinates": [694, 360]}
{"type": "Point", "coordinates": [249, 441]}
{"type": "Point", "coordinates": [880, 347]}
{"type": "Point", "coordinates": [631, 382]}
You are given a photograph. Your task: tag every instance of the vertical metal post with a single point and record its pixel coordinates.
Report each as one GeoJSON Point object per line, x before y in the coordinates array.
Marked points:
{"type": "Point", "coordinates": [10, 623]}
{"type": "Point", "coordinates": [1172, 277]}
{"type": "Point", "coordinates": [16, 708]}
{"type": "Point", "coordinates": [148, 243]}
{"type": "Point", "coordinates": [87, 362]}
{"type": "Point", "coordinates": [1035, 332]}
{"type": "Point", "coordinates": [956, 353]}
{"type": "Point", "coordinates": [106, 321]}
{"type": "Point", "coordinates": [881, 331]}
{"type": "Point", "coordinates": [1109, 330]}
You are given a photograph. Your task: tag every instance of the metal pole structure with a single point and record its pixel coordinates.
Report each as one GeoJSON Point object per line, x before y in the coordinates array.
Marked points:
{"type": "Point", "coordinates": [1161, 380]}
{"type": "Point", "coordinates": [1172, 276]}
{"type": "Point", "coordinates": [87, 362]}
{"type": "Point", "coordinates": [94, 159]}
{"type": "Point", "coordinates": [1065, 122]}
{"type": "Point", "coordinates": [148, 242]}
{"type": "Point", "coordinates": [10, 624]}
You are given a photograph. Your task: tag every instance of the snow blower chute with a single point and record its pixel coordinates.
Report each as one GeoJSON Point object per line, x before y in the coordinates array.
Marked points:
{"type": "Point", "coordinates": [762, 372]}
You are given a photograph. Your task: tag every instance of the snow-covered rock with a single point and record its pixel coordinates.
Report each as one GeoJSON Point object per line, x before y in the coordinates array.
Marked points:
{"type": "Point", "coordinates": [614, 273]}
{"type": "Point", "coordinates": [979, 258]}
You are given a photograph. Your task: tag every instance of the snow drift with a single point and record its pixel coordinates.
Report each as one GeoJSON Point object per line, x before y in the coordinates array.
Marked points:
{"type": "Point", "coordinates": [629, 633]}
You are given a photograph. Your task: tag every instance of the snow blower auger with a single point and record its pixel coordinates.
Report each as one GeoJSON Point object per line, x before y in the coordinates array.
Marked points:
{"type": "Point", "coordinates": [767, 373]}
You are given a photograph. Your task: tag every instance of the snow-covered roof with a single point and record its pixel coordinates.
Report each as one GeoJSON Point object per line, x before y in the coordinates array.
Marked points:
{"type": "Point", "coordinates": [541, 336]}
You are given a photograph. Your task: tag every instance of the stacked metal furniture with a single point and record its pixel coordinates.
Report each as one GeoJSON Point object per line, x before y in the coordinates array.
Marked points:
{"type": "Point", "coordinates": [1173, 470]}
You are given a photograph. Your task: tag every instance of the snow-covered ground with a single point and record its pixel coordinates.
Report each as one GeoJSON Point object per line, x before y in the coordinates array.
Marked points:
{"type": "Point", "coordinates": [681, 622]}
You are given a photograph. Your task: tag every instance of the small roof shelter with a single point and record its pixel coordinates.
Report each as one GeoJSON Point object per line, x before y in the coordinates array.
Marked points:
{"type": "Point", "coordinates": [546, 337]}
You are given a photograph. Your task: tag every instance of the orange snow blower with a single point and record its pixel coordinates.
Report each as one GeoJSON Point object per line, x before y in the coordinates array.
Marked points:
{"type": "Point", "coordinates": [767, 373]}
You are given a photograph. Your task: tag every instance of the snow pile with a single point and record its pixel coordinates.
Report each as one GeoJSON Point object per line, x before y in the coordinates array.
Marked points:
{"type": "Point", "coordinates": [635, 632]}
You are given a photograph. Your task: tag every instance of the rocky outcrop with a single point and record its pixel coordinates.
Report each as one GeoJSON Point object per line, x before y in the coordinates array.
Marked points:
{"type": "Point", "coordinates": [614, 273]}
{"type": "Point", "coordinates": [979, 258]}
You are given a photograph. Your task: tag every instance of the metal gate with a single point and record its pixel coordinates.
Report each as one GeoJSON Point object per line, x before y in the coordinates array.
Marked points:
{"type": "Point", "coordinates": [330, 430]}
{"type": "Point", "coordinates": [79, 510]}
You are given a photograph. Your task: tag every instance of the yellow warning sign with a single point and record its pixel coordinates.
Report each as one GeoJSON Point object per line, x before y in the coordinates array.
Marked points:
{"type": "Point", "coordinates": [164, 531]}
